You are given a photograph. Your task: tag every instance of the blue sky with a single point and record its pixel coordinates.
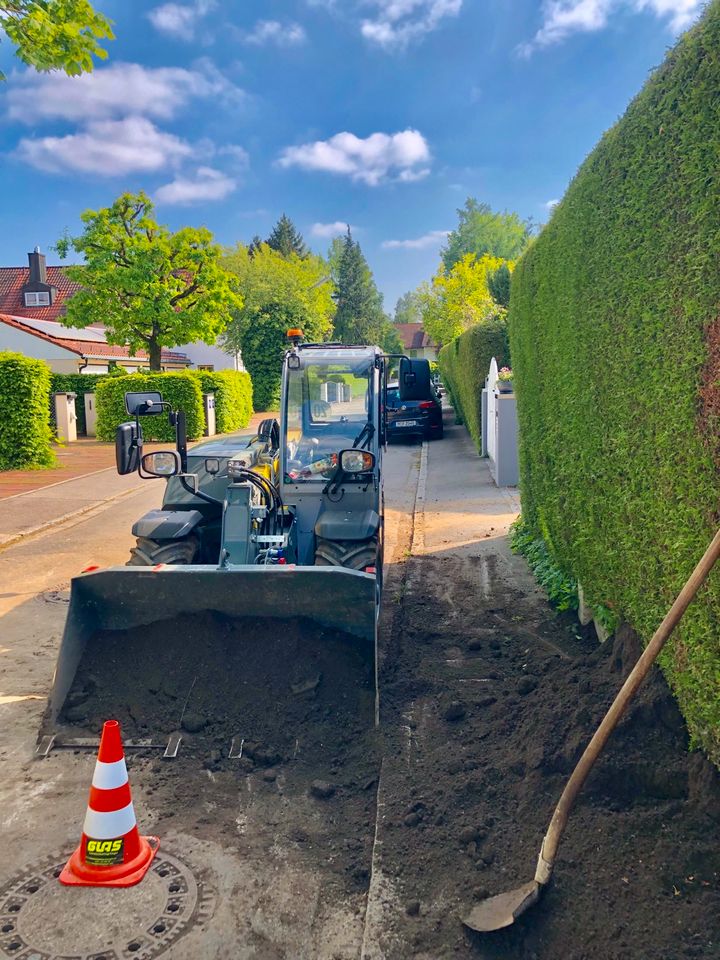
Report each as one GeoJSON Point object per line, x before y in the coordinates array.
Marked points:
{"type": "Point", "coordinates": [385, 114]}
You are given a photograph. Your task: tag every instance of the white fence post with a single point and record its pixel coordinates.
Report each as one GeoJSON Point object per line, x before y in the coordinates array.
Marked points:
{"type": "Point", "coordinates": [491, 444]}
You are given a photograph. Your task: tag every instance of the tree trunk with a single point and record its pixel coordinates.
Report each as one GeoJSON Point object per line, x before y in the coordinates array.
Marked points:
{"type": "Point", "coordinates": [155, 351]}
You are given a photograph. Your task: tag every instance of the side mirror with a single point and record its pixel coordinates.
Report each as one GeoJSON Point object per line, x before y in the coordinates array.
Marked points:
{"type": "Point", "coordinates": [414, 379]}
{"type": "Point", "coordinates": [162, 463]}
{"type": "Point", "coordinates": [143, 404]}
{"type": "Point", "coordinates": [128, 448]}
{"type": "Point", "coordinates": [356, 461]}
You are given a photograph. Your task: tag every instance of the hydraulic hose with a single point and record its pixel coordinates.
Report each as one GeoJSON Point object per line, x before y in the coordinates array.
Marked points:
{"type": "Point", "coordinates": [199, 494]}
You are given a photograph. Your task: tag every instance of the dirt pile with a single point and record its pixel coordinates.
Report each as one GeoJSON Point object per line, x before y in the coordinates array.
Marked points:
{"type": "Point", "coordinates": [490, 719]}
{"type": "Point", "coordinates": [271, 682]}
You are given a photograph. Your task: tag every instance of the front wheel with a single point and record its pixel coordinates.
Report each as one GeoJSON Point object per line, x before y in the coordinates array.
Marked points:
{"type": "Point", "coordinates": [148, 552]}
{"type": "Point", "coordinates": [355, 554]}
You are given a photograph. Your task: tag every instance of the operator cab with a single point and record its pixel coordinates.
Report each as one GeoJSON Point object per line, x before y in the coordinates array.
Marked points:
{"type": "Point", "coordinates": [331, 404]}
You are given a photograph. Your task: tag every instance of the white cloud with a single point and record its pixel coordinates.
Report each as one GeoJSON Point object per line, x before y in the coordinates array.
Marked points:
{"type": "Point", "coordinates": [371, 160]}
{"type": "Point", "coordinates": [237, 153]}
{"type": "Point", "coordinates": [180, 20]}
{"type": "Point", "coordinates": [398, 22]}
{"type": "Point", "coordinates": [273, 31]}
{"type": "Point", "coordinates": [207, 184]}
{"type": "Point", "coordinates": [106, 148]}
{"type": "Point", "coordinates": [327, 231]}
{"type": "Point", "coordinates": [432, 239]}
{"type": "Point", "coordinates": [562, 18]}
{"type": "Point", "coordinates": [681, 12]}
{"type": "Point", "coordinates": [550, 204]}
{"type": "Point", "coordinates": [121, 89]}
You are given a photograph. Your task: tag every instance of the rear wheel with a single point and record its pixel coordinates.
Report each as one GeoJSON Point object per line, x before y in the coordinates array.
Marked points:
{"type": "Point", "coordinates": [355, 554]}
{"type": "Point", "coordinates": [148, 553]}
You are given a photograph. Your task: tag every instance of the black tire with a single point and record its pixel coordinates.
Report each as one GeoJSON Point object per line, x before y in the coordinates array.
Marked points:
{"type": "Point", "coordinates": [148, 553]}
{"type": "Point", "coordinates": [355, 554]}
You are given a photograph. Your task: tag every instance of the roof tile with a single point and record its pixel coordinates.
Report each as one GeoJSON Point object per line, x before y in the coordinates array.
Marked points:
{"type": "Point", "coordinates": [13, 279]}
{"type": "Point", "coordinates": [413, 336]}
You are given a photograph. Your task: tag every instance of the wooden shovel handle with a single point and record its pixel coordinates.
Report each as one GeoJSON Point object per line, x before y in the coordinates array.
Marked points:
{"type": "Point", "coordinates": [617, 708]}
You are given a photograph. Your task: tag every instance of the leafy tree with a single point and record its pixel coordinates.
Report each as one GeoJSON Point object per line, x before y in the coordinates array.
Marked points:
{"type": "Point", "coordinates": [55, 34]}
{"type": "Point", "coordinates": [481, 231]}
{"type": "Point", "coordinates": [458, 298]}
{"type": "Point", "coordinates": [389, 339]}
{"type": "Point", "coordinates": [408, 309]}
{"type": "Point", "coordinates": [360, 317]}
{"type": "Point", "coordinates": [286, 239]}
{"type": "Point", "coordinates": [149, 287]}
{"type": "Point", "coordinates": [255, 244]}
{"type": "Point", "coordinates": [499, 285]}
{"type": "Point", "coordinates": [278, 293]}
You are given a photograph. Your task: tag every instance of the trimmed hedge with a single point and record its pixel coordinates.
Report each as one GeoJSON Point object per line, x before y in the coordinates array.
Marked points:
{"type": "Point", "coordinates": [233, 397]}
{"type": "Point", "coordinates": [616, 352]}
{"type": "Point", "coordinates": [464, 365]}
{"type": "Point", "coordinates": [25, 433]}
{"type": "Point", "coordinates": [182, 390]}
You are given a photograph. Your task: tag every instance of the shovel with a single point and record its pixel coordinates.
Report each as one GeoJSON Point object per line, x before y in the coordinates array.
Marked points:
{"type": "Point", "coordinates": [503, 910]}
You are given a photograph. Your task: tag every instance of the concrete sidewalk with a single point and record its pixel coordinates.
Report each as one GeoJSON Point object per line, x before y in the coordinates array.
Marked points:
{"type": "Point", "coordinates": [33, 500]}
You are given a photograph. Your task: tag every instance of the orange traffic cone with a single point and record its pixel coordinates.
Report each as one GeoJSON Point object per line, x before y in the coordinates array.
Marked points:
{"type": "Point", "coordinates": [111, 853]}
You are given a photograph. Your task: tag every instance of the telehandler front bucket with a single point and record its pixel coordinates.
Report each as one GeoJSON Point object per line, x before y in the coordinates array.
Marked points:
{"type": "Point", "coordinates": [144, 635]}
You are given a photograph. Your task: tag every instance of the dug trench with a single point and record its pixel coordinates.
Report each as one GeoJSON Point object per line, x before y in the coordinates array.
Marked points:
{"type": "Point", "coordinates": [488, 698]}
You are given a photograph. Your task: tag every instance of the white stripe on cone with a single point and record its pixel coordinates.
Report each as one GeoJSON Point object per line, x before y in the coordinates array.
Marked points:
{"type": "Point", "coordinates": [109, 776]}
{"type": "Point", "coordinates": [109, 826]}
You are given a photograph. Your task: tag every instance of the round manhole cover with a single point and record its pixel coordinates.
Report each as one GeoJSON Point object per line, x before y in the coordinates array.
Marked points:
{"type": "Point", "coordinates": [40, 919]}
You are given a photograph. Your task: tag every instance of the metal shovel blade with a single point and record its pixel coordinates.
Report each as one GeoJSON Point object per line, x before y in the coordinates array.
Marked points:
{"type": "Point", "coordinates": [503, 909]}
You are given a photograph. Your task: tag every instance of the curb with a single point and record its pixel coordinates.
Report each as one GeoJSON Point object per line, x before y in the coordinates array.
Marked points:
{"type": "Point", "coordinates": [65, 518]}
{"type": "Point", "coordinates": [417, 543]}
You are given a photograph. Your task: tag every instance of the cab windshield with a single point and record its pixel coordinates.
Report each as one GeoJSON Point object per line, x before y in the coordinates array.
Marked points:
{"type": "Point", "coordinates": [328, 405]}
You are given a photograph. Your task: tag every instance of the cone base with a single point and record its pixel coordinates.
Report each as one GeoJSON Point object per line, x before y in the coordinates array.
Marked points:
{"type": "Point", "coordinates": [75, 873]}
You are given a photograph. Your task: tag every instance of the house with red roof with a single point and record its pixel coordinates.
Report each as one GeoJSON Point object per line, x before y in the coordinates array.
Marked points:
{"type": "Point", "coordinates": [416, 343]}
{"type": "Point", "coordinates": [33, 300]}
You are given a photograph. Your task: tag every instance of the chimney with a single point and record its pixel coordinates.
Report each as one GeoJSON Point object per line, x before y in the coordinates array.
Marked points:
{"type": "Point", "coordinates": [38, 270]}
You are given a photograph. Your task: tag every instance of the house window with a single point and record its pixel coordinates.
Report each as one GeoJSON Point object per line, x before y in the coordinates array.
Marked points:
{"type": "Point", "coordinates": [41, 299]}
{"type": "Point", "coordinates": [210, 367]}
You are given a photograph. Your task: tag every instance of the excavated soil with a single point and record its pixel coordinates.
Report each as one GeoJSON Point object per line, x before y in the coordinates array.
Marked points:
{"type": "Point", "coordinates": [488, 703]}
{"type": "Point", "coordinates": [300, 701]}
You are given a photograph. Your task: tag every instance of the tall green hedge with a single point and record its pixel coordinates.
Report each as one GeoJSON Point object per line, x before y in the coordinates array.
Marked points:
{"type": "Point", "coordinates": [616, 352]}
{"type": "Point", "coordinates": [25, 433]}
{"type": "Point", "coordinates": [233, 397]}
{"type": "Point", "coordinates": [464, 365]}
{"type": "Point", "coordinates": [182, 390]}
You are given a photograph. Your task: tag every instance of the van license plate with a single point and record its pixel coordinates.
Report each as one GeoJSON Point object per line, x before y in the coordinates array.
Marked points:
{"type": "Point", "coordinates": [406, 423]}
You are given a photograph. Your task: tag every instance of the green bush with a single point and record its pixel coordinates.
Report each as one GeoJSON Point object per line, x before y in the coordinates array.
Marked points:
{"type": "Point", "coordinates": [464, 365]}
{"type": "Point", "coordinates": [182, 390]}
{"type": "Point", "coordinates": [233, 397]}
{"type": "Point", "coordinates": [615, 342]}
{"type": "Point", "coordinates": [25, 433]}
